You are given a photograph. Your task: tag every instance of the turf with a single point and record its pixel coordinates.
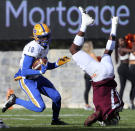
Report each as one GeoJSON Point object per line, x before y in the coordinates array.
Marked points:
{"type": "Point", "coordinates": [23, 118]}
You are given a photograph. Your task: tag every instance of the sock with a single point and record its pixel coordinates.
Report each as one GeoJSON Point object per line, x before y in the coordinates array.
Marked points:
{"type": "Point", "coordinates": [114, 29]}
{"type": "Point", "coordinates": [83, 28]}
{"type": "Point", "coordinates": [78, 40]}
{"type": "Point", "coordinates": [110, 45]}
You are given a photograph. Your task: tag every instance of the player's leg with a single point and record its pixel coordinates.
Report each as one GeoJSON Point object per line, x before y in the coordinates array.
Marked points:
{"type": "Point", "coordinates": [110, 46]}
{"type": "Point", "coordinates": [79, 38]}
{"type": "Point", "coordinates": [48, 89]}
{"type": "Point", "coordinates": [79, 56]}
{"type": "Point", "coordinates": [35, 102]}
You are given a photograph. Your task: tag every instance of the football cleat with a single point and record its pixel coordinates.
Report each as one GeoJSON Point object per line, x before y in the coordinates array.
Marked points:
{"type": "Point", "coordinates": [2, 125]}
{"type": "Point", "coordinates": [86, 19]}
{"type": "Point", "coordinates": [9, 103]}
{"type": "Point", "coordinates": [58, 122]}
{"type": "Point", "coordinates": [115, 20]}
{"type": "Point", "coordinates": [114, 120]}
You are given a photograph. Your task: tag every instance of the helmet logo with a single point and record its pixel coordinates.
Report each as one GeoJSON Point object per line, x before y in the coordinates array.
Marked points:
{"type": "Point", "coordinates": [34, 31]}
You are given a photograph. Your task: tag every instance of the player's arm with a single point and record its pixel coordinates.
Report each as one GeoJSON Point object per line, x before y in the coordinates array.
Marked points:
{"type": "Point", "coordinates": [60, 61]}
{"type": "Point", "coordinates": [51, 66]}
{"type": "Point", "coordinates": [79, 38]}
{"type": "Point", "coordinates": [27, 67]}
{"type": "Point", "coordinates": [125, 50]}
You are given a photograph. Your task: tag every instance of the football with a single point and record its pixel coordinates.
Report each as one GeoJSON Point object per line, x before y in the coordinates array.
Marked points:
{"type": "Point", "coordinates": [37, 63]}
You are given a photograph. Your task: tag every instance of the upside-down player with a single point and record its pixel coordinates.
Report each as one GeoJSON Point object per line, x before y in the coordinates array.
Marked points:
{"type": "Point", "coordinates": [105, 97]}
{"type": "Point", "coordinates": [32, 81]}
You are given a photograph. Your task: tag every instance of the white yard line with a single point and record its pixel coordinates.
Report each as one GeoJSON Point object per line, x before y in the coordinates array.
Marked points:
{"type": "Point", "coordinates": [25, 119]}
{"type": "Point", "coordinates": [38, 115]}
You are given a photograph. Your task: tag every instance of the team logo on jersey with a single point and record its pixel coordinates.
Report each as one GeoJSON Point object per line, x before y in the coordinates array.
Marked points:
{"type": "Point", "coordinates": [93, 75]}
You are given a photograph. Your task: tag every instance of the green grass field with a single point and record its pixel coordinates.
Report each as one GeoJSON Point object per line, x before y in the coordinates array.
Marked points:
{"type": "Point", "coordinates": [75, 117]}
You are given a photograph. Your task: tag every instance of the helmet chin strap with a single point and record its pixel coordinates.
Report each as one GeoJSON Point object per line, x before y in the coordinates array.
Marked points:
{"type": "Point", "coordinates": [43, 44]}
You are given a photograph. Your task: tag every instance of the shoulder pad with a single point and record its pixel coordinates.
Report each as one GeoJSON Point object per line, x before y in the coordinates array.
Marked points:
{"type": "Point", "coordinates": [32, 49]}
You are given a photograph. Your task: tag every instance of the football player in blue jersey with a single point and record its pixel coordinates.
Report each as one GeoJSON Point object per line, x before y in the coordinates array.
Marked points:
{"type": "Point", "coordinates": [32, 81]}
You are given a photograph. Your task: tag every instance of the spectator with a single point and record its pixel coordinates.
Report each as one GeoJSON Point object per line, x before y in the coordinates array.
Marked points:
{"type": "Point", "coordinates": [88, 48]}
{"type": "Point", "coordinates": [132, 69]}
{"type": "Point", "coordinates": [122, 53]}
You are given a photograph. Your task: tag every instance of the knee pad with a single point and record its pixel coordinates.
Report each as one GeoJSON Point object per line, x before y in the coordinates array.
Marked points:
{"type": "Point", "coordinates": [42, 108]}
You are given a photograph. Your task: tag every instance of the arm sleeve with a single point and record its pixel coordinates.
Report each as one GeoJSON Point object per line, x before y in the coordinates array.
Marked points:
{"type": "Point", "coordinates": [51, 66]}
{"type": "Point", "coordinates": [27, 66]}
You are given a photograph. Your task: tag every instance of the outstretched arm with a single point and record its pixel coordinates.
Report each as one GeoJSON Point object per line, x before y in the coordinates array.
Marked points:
{"type": "Point", "coordinates": [79, 38]}
{"type": "Point", "coordinates": [60, 62]}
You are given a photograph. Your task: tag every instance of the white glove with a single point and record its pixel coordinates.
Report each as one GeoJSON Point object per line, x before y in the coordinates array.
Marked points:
{"type": "Point", "coordinates": [86, 20]}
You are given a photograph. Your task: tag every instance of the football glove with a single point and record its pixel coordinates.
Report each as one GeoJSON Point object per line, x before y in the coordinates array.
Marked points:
{"type": "Point", "coordinates": [86, 19]}
{"type": "Point", "coordinates": [43, 68]}
{"type": "Point", "coordinates": [62, 61]}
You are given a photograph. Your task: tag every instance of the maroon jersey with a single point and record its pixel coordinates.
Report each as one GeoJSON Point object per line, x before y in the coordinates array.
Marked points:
{"type": "Point", "coordinates": [106, 98]}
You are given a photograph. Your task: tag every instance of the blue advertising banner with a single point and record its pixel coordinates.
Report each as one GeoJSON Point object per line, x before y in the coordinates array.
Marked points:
{"type": "Point", "coordinates": [17, 17]}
